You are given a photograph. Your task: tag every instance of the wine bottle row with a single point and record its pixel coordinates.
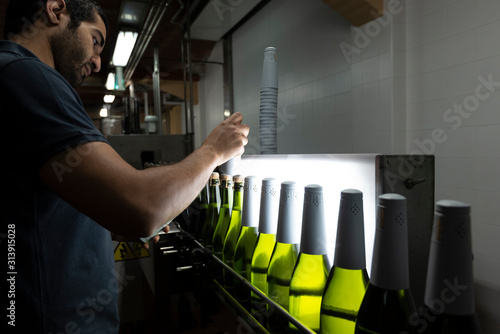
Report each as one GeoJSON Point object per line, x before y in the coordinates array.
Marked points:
{"type": "Point", "coordinates": [254, 227]}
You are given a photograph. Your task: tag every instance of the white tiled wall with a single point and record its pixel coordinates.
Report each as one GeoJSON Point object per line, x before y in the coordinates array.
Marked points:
{"type": "Point", "coordinates": [423, 60]}
{"type": "Point", "coordinates": [450, 45]}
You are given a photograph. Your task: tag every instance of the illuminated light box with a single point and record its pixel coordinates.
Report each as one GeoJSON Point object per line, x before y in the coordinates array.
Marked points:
{"type": "Point", "coordinates": [334, 172]}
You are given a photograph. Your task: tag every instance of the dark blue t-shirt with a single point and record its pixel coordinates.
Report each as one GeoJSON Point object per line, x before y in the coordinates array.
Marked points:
{"type": "Point", "coordinates": [63, 270]}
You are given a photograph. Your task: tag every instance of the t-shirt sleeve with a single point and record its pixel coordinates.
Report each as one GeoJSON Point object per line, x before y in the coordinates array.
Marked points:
{"type": "Point", "coordinates": [44, 113]}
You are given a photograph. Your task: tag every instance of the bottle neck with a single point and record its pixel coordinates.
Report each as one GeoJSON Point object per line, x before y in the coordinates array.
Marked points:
{"type": "Point", "coordinates": [350, 248]}
{"type": "Point", "coordinates": [350, 243]}
{"type": "Point", "coordinates": [268, 215]}
{"type": "Point", "coordinates": [390, 268]}
{"type": "Point", "coordinates": [204, 195]}
{"type": "Point", "coordinates": [313, 238]}
{"type": "Point", "coordinates": [250, 208]}
{"type": "Point", "coordinates": [214, 191]}
{"type": "Point", "coordinates": [450, 283]}
{"type": "Point", "coordinates": [237, 198]}
{"type": "Point", "coordinates": [225, 196]}
{"type": "Point", "coordinates": [288, 231]}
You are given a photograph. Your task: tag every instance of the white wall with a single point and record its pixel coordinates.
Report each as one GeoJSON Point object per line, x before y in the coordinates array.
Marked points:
{"type": "Point", "coordinates": [211, 95]}
{"type": "Point", "coordinates": [393, 95]}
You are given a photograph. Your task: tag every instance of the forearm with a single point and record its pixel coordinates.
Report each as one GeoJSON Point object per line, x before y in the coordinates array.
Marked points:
{"type": "Point", "coordinates": [174, 187]}
{"type": "Point", "coordinates": [124, 200]}
{"type": "Point", "coordinates": [128, 201]}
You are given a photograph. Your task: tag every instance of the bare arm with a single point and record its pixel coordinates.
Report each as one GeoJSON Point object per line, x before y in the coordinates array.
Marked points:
{"type": "Point", "coordinates": [134, 202]}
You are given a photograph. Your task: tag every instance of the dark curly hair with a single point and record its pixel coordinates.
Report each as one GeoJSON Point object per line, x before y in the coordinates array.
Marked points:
{"type": "Point", "coordinates": [22, 14]}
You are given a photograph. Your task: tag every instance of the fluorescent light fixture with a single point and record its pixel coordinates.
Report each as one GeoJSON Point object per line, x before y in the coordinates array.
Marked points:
{"type": "Point", "coordinates": [109, 98]}
{"type": "Point", "coordinates": [123, 49]}
{"type": "Point", "coordinates": [129, 17]}
{"type": "Point", "coordinates": [110, 82]}
{"type": "Point", "coordinates": [104, 112]}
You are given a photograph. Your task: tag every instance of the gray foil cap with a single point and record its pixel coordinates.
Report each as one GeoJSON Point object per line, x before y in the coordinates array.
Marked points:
{"type": "Point", "coordinates": [350, 244]}
{"type": "Point", "coordinates": [288, 214]}
{"type": "Point", "coordinates": [450, 283]}
{"type": "Point", "coordinates": [390, 251]}
{"type": "Point", "coordinates": [313, 239]}
{"type": "Point", "coordinates": [269, 202]}
{"type": "Point", "coordinates": [251, 202]}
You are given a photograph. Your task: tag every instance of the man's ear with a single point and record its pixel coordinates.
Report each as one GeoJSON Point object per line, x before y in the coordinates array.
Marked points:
{"type": "Point", "coordinates": [54, 9]}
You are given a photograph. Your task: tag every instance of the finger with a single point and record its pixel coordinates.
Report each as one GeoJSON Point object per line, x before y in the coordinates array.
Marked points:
{"type": "Point", "coordinates": [241, 151]}
{"type": "Point", "coordinates": [235, 118]}
{"type": "Point", "coordinates": [244, 129]}
{"type": "Point", "coordinates": [242, 135]}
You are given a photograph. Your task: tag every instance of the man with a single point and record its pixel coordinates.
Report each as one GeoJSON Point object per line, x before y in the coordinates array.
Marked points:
{"type": "Point", "coordinates": [66, 189]}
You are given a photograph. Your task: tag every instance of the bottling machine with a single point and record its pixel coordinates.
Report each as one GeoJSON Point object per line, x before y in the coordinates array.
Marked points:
{"type": "Point", "coordinates": [183, 295]}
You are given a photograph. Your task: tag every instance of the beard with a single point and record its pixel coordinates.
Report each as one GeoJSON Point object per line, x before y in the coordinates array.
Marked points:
{"type": "Point", "coordinates": [69, 56]}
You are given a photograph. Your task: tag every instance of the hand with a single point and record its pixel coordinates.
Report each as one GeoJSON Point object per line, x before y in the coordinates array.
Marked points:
{"type": "Point", "coordinates": [229, 138]}
{"type": "Point", "coordinates": [156, 238]}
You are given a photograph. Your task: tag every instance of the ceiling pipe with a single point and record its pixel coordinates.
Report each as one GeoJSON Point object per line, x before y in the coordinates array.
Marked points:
{"type": "Point", "coordinates": [187, 71]}
{"type": "Point", "coordinates": [189, 117]}
{"type": "Point", "coordinates": [153, 19]}
{"type": "Point", "coordinates": [157, 90]}
{"type": "Point", "coordinates": [183, 60]}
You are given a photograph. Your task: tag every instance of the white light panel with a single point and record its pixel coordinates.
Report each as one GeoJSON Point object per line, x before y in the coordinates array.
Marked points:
{"type": "Point", "coordinates": [335, 172]}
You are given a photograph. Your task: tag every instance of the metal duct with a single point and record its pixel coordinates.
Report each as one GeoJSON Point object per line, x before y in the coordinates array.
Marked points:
{"type": "Point", "coordinates": [153, 19]}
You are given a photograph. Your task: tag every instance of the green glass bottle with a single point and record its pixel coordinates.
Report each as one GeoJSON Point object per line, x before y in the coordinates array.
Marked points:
{"type": "Point", "coordinates": [311, 270]}
{"type": "Point", "coordinates": [268, 223]}
{"type": "Point", "coordinates": [233, 231]}
{"type": "Point", "coordinates": [348, 279]}
{"type": "Point", "coordinates": [212, 212]}
{"type": "Point", "coordinates": [248, 237]}
{"type": "Point", "coordinates": [449, 290]}
{"type": "Point", "coordinates": [223, 222]}
{"type": "Point", "coordinates": [198, 220]}
{"type": "Point", "coordinates": [222, 225]}
{"type": "Point", "coordinates": [284, 254]}
{"type": "Point", "coordinates": [388, 304]}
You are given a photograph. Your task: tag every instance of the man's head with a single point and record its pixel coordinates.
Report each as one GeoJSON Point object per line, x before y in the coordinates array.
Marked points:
{"type": "Point", "coordinates": [22, 14]}
{"type": "Point", "coordinates": [75, 31]}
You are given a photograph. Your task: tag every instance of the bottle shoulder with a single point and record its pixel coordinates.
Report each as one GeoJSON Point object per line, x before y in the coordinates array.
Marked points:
{"type": "Point", "coordinates": [310, 271]}
{"type": "Point", "coordinates": [265, 244]}
{"type": "Point", "coordinates": [384, 310]}
{"type": "Point", "coordinates": [283, 259]}
{"type": "Point", "coordinates": [340, 279]}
